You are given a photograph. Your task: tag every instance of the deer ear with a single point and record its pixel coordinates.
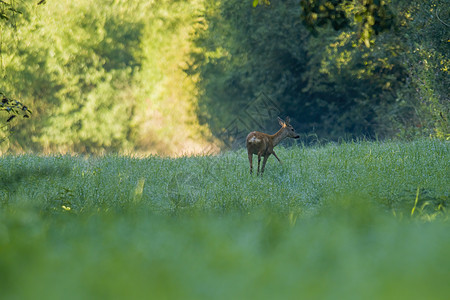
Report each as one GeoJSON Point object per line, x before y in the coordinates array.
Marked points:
{"type": "Point", "coordinates": [288, 120]}
{"type": "Point", "coordinates": [282, 123]}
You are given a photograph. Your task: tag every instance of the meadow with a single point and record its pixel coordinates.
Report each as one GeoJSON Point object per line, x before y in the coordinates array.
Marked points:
{"type": "Point", "coordinates": [362, 220]}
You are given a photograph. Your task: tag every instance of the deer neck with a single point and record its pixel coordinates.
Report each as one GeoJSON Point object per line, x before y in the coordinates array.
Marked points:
{"type": "Point", "coordinates": [279, 136]}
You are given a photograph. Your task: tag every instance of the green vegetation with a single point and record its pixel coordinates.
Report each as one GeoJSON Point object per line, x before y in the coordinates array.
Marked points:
{"type": "Point", "coordinates": [161, 76]}
{"type": "Point", "coordinates": [350, 220]}
{"type": "Point", "coordinates": [356, 220]}
{"type": "Point", "coordinates": [101, 76]}
{"type": "Point", "coordinates": [340, 68]}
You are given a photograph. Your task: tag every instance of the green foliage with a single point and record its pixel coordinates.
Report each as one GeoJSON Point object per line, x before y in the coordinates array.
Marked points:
{"type": "Point", "coordinates": [371, 17]}
{"type": "Point", "coordinates": [204, 228]}
{"type": "Point", "coordinates": [127, 76]}
{"type": "Point", "coordinates": [245, 51]}
{"type": "Point", "coordinates": [319, 13]}
{"type": "Point", "coordinates": [7, 10]}
{"type": "Point", "coordinates": [87, 69]}
{"type": "Point", "coordinates": [426, 61]}
{"type": "Point", "coordinates": [13, 107]}
{"type": "Point", "coordinates": [361, 76]}
{"type": "Point", "coordinates": [260, 2]}
{"type": "Point", "coordinates": [169, 125]}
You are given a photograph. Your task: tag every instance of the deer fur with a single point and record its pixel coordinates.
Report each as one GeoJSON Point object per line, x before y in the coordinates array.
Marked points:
{"type": "Point", "coordinates": [262, 144]}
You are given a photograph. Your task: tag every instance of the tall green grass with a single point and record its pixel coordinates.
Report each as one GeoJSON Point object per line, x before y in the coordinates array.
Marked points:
{"type": "Point", "coordinates": [354, 221]}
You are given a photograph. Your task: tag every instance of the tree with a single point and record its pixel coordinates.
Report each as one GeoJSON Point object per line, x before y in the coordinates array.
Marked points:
{"type": "Point", "coordinates": [329, 83]}
{"type": "Point", "coordinates": [412, 38]}
{"type": "Point", "coordinates": [103, 76]}
{"type": "Point", "coordinates": [341, 68]}
{"type": "Point", "coordinates": [370, 17]}
{"type": "Point", "coordinates": [14, 108]}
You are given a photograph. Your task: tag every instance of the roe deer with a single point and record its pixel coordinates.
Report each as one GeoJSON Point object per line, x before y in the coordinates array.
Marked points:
{"type": "Point", "coordinates": [262, 144]}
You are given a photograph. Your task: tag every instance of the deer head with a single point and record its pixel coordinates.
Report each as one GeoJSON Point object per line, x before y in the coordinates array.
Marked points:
{"type": "Point", "coordinates": [287, 127]}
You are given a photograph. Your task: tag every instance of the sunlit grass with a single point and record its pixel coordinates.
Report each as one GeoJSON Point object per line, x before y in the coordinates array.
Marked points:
{"type": "Point", "coordinates": [352, 221]}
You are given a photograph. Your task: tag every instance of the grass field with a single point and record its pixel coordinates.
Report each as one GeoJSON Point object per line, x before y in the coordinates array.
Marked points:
{"type": "Point", "coordinates": [359, 220]}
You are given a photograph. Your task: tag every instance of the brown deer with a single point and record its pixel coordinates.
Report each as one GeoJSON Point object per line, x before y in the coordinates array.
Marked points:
{"type": "Point", "coordinates": [262, 143]}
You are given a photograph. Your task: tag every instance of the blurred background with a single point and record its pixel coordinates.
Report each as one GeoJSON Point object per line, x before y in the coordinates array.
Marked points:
{"type": "Point", "coordinates": [166, 77]}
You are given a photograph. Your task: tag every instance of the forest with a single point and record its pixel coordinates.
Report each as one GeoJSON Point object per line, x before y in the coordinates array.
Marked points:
{"type": "Point", "coordinates": [174, 77]}
{"type": "Point", "coordinates": [114, 115]}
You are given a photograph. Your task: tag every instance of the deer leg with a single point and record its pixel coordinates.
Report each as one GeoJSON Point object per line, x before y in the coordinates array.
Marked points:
{"type": "Point", "coordinates": [273, 152]}
{"type": "Point", "coordinates": [259, 161]}
{"type": "Point", "coordinates": [264, 163]}
{"type": "Point", "coordinates": [250, 159]}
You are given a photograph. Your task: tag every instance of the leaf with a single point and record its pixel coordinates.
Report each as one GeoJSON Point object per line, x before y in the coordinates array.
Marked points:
{"type": "Point", "coordinates": [255, 3]}
{"type": "Point", "coordinates": [14, 10]}
{"type": "Point", "coordinates": [415, 202]}
{"type": "Point", "coordinates": [10, 118]}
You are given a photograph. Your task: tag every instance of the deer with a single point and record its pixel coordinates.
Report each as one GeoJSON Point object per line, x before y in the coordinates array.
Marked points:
{"type": "Point", "coordinates": [262, 144]}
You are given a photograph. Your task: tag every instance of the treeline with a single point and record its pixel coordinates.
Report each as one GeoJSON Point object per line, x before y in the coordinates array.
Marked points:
{"type": "Point", "coordinates": [100, 76]}
{"type": "Point", "coordinates": [158, 76]}
{"type": "Point", "coordinates": [341, 69]}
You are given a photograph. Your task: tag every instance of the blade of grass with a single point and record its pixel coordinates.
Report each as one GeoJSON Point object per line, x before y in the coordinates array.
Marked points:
{"type": "Point", "coordinates": [415, 202]}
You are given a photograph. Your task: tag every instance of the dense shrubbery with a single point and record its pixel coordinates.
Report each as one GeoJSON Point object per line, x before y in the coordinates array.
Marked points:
{"type": "Point", "coordinates": [373, 69]}
{"type": "Point", "coordinates": [101, 75]}
{"type": "Point", "coordinates": [112, 76]}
